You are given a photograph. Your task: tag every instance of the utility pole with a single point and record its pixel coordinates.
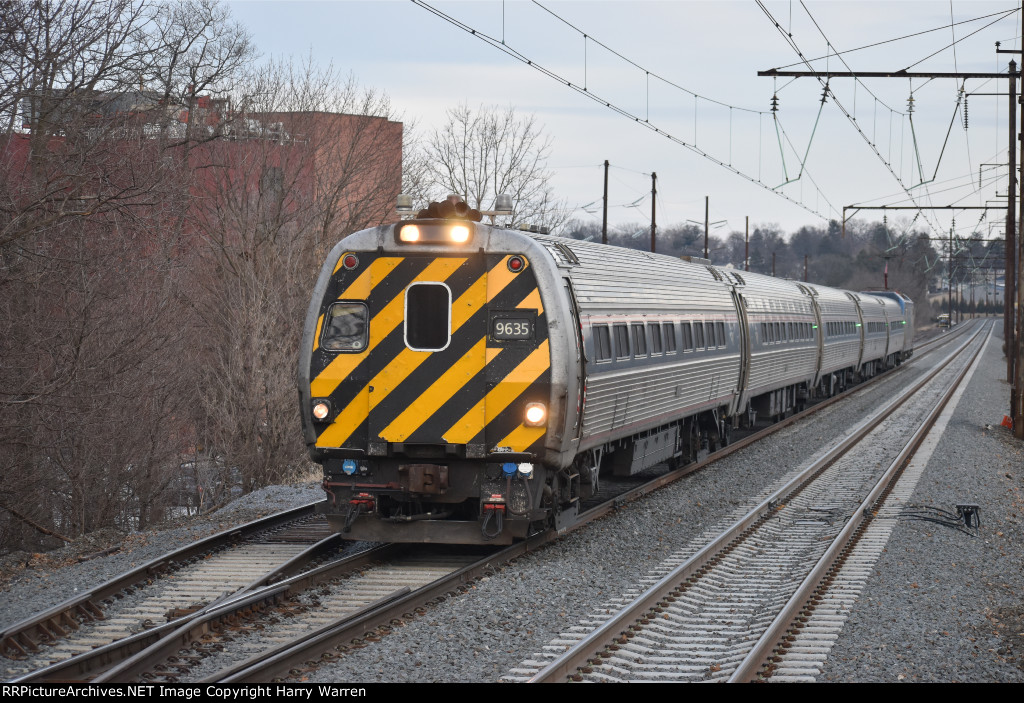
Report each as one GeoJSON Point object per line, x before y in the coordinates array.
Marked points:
{"type": "Point", "coordinates": [654, 196]}
{"type": "Point", "coordinates": [1010, 333]}
{"type": "Point", "coordinates": [1017, 387]}
{"type": "Point", "coordinates": [706, 225]}
{"type": "Point", "coordinates": [805, 268]}
{"type": "Point", "coordinates": [746, 247]}
{"type": "Point", "coordinates": [604, 221]}
{"type": "Point", "coordinates": [949, 278]}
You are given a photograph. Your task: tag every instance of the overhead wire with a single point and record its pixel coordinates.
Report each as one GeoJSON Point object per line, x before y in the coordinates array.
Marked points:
{"type": "Point", "coordinates": [957, 109]}
{"type": "Point", "coordinates": [903, 37]}
{"type": "Point", "coordinates": [789, 39]}
{"type": "Point", "coordinates": [969, 175]}
{"type": "Point", "coordinates": [638, 66]}
{"type": "Point", "coordinates": [957, 41]}
{"type": "Point", "coordinates": [504, 47]}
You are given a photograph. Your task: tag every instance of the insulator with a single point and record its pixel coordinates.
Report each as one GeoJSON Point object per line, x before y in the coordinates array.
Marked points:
{"type": "Point", "coordinates": [965, 113]}
{"type": "Point", "coordinates": [910, 104]}
{"type": "Point", "coordinates": [824, 93]}
{"type": "Point", "coordinates": [775, 103]}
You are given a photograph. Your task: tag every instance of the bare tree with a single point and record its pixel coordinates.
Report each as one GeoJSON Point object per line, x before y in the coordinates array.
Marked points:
{"type": "Point", "coordinates": [74, 79]}
{"type": "Point", "coordinates": [310, 163]}
{"type": "Point", "coordinates": [481, 154]}
{"type": "Point", "coordinates": [94, 394]}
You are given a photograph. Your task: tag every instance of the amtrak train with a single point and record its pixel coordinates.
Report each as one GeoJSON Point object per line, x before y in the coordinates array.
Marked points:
{"type": "Point", "coordinates": [465, 383]}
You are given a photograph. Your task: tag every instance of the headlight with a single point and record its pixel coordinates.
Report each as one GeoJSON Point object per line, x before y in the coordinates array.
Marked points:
{"type": "Point", "coordinates": [460, 233]}
{"type": "Point", "coordinates": [409, 233]}
{"type": "Point", "coordinates": [536, 414]}
{"type": "Point", "coordinates": [321, 409]}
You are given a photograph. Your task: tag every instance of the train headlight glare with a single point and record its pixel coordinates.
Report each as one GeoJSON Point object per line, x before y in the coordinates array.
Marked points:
{"type": "Point", "coordinates": [460, 233]}
{"type": "Point", "coordinates": [321, 409]}
{"type": "Point", "coordinates": [409, 233]}
{"type": "Point", "coordinates": [536, 414]}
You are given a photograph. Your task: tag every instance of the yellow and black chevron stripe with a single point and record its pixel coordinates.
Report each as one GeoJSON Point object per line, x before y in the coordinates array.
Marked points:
{"type": "Point", "coordinates": [472, 392]}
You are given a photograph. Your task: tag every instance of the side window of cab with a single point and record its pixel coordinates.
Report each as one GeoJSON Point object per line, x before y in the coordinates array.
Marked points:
{"type": "Point", "coordinates": [346, 327]}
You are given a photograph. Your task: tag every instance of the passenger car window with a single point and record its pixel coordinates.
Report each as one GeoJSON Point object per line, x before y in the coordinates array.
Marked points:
{"type": "Point", "coordinates": [621, 342]}
{"type": "Point", "coordinates": [656, 347]}
{"type": "Point", "coordinates": [669, 328]}
{"type": "Point", "coordinates": [639, 341]}
{"type": "Point", "coordinates": [602, 343]}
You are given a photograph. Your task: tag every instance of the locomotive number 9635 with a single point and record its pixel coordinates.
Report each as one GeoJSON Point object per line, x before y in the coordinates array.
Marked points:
{"type": "Point", "coordinates": [511, 328]}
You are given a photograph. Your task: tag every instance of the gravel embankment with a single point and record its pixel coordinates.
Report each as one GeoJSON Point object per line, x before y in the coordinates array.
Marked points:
{"type": "Point", "coordinates": [942, 605]}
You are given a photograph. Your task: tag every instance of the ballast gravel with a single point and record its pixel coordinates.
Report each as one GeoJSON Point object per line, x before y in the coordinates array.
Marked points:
{"type": "Point", "coordinates": [34, 582]}
{"type": "Point", "coordinates": [942, 606]}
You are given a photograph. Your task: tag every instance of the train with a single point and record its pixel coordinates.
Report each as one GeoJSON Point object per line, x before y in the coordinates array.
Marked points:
{"type": "Point", "coordinates": [466, 383]}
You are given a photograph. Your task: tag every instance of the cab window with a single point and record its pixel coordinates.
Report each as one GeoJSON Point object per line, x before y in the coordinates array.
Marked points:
{"type": "Point", "coordinates": [428, 308]}
{"type": "Point", "coordinates": [345, 327]}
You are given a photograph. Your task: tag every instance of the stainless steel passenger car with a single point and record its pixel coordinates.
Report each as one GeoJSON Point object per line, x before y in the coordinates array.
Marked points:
{"type": "Point", "coordinates": [465, 383]}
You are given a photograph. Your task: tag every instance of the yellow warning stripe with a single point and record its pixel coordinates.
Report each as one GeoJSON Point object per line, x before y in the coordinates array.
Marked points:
{"type": "Point", "coordinates": [407, 361]}
{"type": "Point", "coordinates": [349, 418]}
{"type": "Point", "coordinates": [439, 392]}
{"type": "Point", "coordinates": [360, 288]}
{"type": "Point", "coordinates": [499, 398]}
{"type": "Point", "coordinates": [319, 326]}
{"type": "Point", "coordinates": [520, 439]}
{"type": "Point", "coordinates": [532, 301]}
{"type": "Point", "coordinates": [382, 324]}
{"type": "Point", "coordinates": [499, 277]}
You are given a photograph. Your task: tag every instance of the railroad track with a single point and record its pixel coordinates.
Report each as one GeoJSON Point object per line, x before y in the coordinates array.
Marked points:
{"type": "Point", "coordinates": [742, 605]}
{"type": "Point", "coordinates": [265, 631]}
{"type": "Point", "coordinates": [305, 653]}
{"type": "Point", "coordinates": [210, 646]}
{"type": "Point", "coordinates": [135, 606]}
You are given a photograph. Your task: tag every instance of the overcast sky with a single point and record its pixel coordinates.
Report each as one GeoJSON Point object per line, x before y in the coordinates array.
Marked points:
{"type": "Point", "coordinates": [427, 64]}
